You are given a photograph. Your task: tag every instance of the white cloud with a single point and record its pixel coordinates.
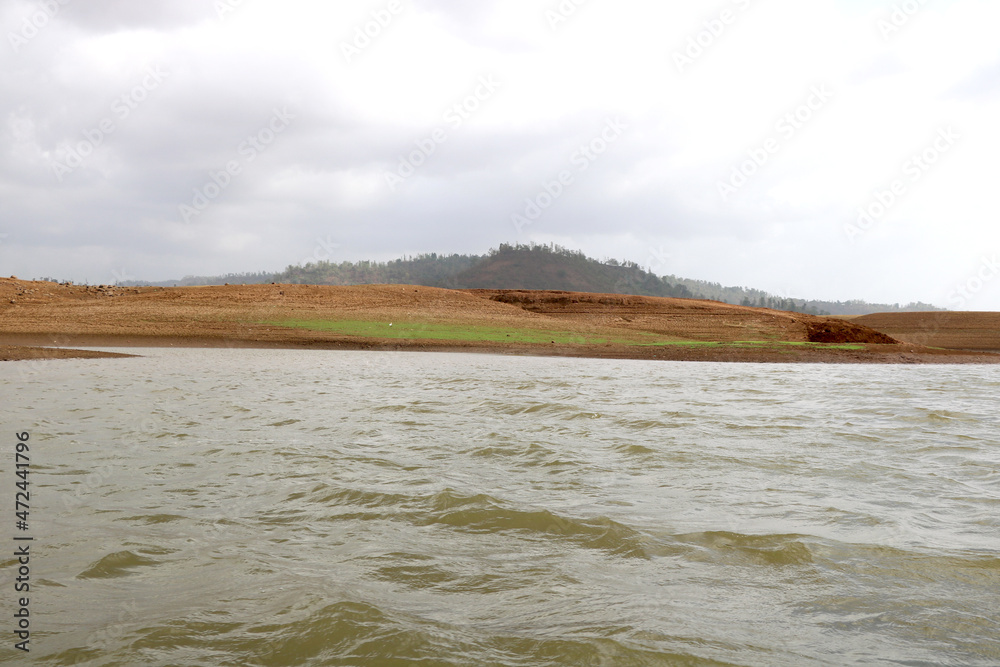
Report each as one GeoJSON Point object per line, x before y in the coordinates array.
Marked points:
{"type": "Point", "coordinates": [655, 188]}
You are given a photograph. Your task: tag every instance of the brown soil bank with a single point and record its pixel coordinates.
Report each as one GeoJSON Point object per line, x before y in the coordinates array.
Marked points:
{"type": "Point", "coordinates": [953, 331]}
{"type": "Point", "coordinates": [687, 318]}
{"type": "Point", "coordinates": [24, 353]}
{"type": "Point", "coordinates": [507, 321]}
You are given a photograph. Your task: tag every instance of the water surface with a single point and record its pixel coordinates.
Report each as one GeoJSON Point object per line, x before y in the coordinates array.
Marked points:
{"type": "Point", "coordinates": [255, 507]}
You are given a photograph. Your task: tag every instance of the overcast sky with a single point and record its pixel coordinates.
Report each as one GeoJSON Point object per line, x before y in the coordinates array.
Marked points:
{"type": "Point", "coordinates": [830, 149]}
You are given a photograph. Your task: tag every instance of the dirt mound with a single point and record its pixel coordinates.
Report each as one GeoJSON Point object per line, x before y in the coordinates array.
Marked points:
{"type": "Point", "coordinates": [841, 331]}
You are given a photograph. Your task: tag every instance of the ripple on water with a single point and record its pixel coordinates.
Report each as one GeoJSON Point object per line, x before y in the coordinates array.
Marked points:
{"type": "Point", "coordinates": [467, 510]}
{"type": "Point", "coordinates": [118, 564]}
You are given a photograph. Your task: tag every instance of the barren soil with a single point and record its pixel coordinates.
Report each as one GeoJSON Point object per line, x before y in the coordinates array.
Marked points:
{"type": "Point", "coordinates": [23, 353]}
{"type": "Point", "coordinates": [955, 331]}
{"type": "Point", "coordinates": [630, 327]}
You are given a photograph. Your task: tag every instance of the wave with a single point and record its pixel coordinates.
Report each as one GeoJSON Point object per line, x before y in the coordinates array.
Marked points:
{"type": "Point", "coordinates": [117, 564]}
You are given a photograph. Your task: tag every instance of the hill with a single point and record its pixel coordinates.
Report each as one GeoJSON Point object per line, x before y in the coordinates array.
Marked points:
{"type": "Point", "coordinates": [542, 267]}
{"type": "Point", "coordinates": [553, 268]}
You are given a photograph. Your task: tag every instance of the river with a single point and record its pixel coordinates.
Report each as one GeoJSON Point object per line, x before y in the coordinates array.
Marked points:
{"type": "Point", "coordinates": [279, 507]}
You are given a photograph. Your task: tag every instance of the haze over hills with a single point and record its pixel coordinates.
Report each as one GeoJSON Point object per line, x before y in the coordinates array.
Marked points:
{"type": "Point", "coordinates": [536, 267]}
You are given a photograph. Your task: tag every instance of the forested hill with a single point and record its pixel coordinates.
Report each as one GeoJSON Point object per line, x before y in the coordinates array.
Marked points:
{"type": "Point", "coordinates": [555, 268]}
{"type": "Point", "coordinates": [535, 267]}
{"type": "Point", "coordinates": [509, 267]}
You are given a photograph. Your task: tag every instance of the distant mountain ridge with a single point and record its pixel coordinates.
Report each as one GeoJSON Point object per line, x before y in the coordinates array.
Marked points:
{"type": "Point", "coordinates": [540, 267]}
{"type": "Point", "coordinates": [536, 267]}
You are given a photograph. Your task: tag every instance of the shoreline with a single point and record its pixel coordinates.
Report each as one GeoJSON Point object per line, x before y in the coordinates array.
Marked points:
{"type": "Point", "coordinates": [26, 347]}
{"type": "Point", "coordinates": [39, 353]}
{"type": "Point", "coordinates": [50, 316]}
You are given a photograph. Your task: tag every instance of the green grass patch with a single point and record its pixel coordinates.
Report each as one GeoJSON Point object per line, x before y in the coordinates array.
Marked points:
{"type": "Point", "coordinates": [443, 332]}
{"type": "Point", "coordinates": [475, 333]}
{"type": "Point", "coordinates": [805, 344]}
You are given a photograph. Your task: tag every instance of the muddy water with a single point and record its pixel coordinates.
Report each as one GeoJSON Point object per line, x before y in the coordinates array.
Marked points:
{"type": "Point", "coordinates": [228, 507]}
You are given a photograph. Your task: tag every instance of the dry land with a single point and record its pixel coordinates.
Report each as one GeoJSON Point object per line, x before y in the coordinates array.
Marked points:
{"type": "Point", "coordinates": [25, 353]}
{"type": "Point", "coordinates": [400, 317]}
{"type": "Point", "coordinates": [958, 331]}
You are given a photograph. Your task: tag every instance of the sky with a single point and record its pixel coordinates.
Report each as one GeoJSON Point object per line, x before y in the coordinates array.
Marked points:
{"type": "Point", "coordinates": [822, 149]}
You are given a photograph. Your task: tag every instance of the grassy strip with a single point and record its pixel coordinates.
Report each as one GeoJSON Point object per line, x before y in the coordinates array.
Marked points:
{"type": "Point", "coordinates": [422, 331]}
{"type": "Point", "coordinates": [475, 333]}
